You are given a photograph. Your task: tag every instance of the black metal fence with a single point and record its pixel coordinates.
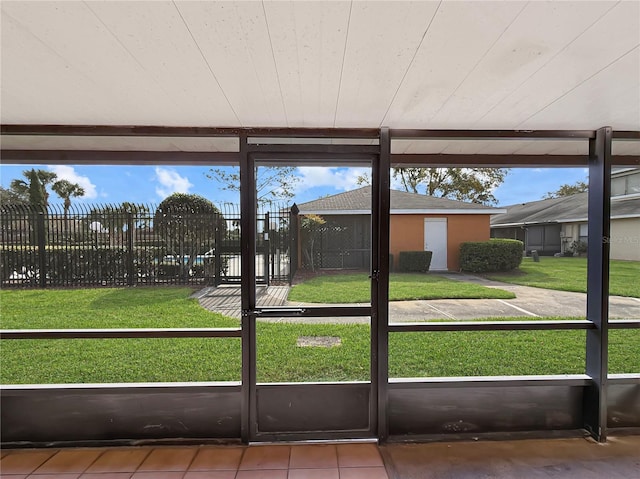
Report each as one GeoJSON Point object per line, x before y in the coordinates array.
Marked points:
{"type": "Point", "coordinates": [130, 244]}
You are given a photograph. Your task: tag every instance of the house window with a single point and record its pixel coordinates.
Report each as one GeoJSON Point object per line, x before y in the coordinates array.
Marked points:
{"type": "Point", "coordinates": [584, 233]}
{"type": "Point", "coordinates": [626, 185]}
{"type": "Point", "coordinates": [618, 186]}
{"type": "Point", "coordinates": [633, 184]}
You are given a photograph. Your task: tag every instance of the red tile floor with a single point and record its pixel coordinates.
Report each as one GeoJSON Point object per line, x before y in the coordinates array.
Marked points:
{"type": "Point", "coordinates": [326, 461]}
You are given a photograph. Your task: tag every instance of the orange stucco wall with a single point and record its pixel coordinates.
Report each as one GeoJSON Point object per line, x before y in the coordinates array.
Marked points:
{"type": "Point", "coordinates": [407, 234]}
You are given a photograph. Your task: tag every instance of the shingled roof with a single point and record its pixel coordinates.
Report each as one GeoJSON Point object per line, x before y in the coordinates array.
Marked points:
{"type": "Point", "coordinates": [359, 202]}
{"type": "Point", "coordinates": [562, 210]}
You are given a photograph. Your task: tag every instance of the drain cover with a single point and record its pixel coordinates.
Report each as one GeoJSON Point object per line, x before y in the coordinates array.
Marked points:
{"type": "Point", "coordinates": [318, 341]}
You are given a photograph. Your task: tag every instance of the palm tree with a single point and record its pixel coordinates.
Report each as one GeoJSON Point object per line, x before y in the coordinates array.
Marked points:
{"type": "Point", "coordinates": [67, 190]}
{"type": "Point", "coordinates": [35, 186]}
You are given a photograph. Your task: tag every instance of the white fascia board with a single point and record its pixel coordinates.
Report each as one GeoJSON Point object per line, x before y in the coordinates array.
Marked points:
{"type": "Point", "coordinates": [335, 212]}
{"type": "Point", "coordinates": [507, 225]}
{"type": "Point", "coordinates": [574, 220]}
{"type": "Point", "coordinates": [454, 211]}
{"type": "Point", "coordinates": [406, 212]}
{"type": "Point", "coordinates": [570, 220]}
{"type": "Point", "coordinates": [625, 197]}
{"type": "Point", "coordinates": [622, 172]}
{"type": "Point", "coordinates": [533, 223]}
{"type": "Point", "coordinates": [615, 217]}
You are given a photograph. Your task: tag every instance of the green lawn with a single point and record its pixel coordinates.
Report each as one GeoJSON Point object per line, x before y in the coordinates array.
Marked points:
{"type": "Point", "coordinates": [279, 359]}
{"type": "Point", "coordinates": [570, 274]}
{"type": "Point", "coordinates": [356, 288]}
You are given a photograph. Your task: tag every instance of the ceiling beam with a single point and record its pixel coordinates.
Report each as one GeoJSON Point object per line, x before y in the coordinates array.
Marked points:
{"type": "Point", "coordinates": [312, 149]}
{"type": "Point", "coordinates": [101, 157]}
{"type": "Point", "coordinates": [502, 161]}
{"type": "Point", "coordinates": [626, 135]}
{"type": "Point", "coordinates": [303, 155]}
{"type": "Point", "coordinates": [179, 131]}
{"type": "Point", "coordinates": [402, 134]}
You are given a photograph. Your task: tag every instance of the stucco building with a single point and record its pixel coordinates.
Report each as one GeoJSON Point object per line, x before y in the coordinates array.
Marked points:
{"type": "Point", "coordinates": [417, 223]}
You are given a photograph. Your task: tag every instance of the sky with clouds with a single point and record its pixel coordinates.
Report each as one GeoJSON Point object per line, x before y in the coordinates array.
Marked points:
{"type": "Point", "coordinates": [151, 184]}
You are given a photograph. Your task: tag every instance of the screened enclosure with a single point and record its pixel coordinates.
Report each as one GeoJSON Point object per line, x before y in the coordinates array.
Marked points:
{"type": "Point", "coordinates": [376, 405]}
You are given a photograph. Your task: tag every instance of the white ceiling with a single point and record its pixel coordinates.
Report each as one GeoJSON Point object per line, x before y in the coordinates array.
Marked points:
{"type": "Point", "coordinates": [450, 64]}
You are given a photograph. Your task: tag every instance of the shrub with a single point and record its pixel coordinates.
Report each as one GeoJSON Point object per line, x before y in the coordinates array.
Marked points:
{"type": "Point", "coordinates": [415, 261]}
{"type": "Point", "coordinates": [491, 256]}
{"type": "Point", "coordinates": [188, 225]}
{"type": "Point", "coordinates": [77, 264]}
{"type": "Point", "coordinates": [578, 247]}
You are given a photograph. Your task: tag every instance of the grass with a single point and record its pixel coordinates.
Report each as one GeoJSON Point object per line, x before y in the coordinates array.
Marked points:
{"type": "Point", "coordinates": [570, 274]}
{"type": "Point", "coordinates": [163, 307]}
{"type": "Point", "coordinates": [279, 359]}
{"type": "Point", "coordinates": [356, 288]}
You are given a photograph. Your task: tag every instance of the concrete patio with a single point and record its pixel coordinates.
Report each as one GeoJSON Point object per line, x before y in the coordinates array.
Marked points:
{"type": "Point", "coordinates": [532, 458]}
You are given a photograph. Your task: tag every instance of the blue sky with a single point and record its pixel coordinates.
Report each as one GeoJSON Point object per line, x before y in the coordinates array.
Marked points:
{"type": "Point", "coordinates": [150, 184]}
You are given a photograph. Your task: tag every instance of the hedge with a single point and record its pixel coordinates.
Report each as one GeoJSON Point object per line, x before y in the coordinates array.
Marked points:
{"type": "Point", "coordinates": [88, 264]}
{"type": "Point", "coordinates": [415, 261]}
{"type": "Point", "coordinates": [491, 256]}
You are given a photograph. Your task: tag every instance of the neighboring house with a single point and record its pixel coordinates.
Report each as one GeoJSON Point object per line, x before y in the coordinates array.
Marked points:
{"type": "Point", "coordinates": [551, 226]}
{"type": "Point", "coordinates": [417, 222]}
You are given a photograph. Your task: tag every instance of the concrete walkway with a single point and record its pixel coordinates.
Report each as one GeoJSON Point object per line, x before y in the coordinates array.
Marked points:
{"type": "Point", "coordinates": [529, 303]}
{"type": "Point", "coordinates": [225, 299]}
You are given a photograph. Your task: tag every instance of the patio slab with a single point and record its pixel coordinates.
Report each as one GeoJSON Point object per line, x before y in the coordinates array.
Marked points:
{"type": "Point", "coordinates": [533, 458]}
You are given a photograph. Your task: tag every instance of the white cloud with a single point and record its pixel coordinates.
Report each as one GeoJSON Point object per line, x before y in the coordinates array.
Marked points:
{"type": "Point", "coordinates": [171, 182]}
{"type": "Point", "coordinates": [341, 179]}
{"type": "Point", "coordinates": [69, 174]}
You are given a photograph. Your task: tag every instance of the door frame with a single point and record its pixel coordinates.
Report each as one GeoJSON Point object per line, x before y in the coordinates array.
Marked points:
{"type": "Point", "coordinates": [444, 220]}
{"type": "Point", "coordinates": [353, 393]}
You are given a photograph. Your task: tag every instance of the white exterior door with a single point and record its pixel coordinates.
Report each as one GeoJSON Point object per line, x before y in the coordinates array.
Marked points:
{"type": "Point", "coordinates": [435, 239]}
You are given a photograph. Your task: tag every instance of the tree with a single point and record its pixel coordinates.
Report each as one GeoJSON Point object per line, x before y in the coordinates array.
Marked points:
{"type": "Point", "coordinates": [9, 197]}
{"type": "Point", "coordinates": [113, 219]}
{"type": "Point", "coordinates": [463, 184]}
{"type": "Point", "coordinates": [67, 190]}
{"type": "Point", "coordinates": [568, 190]}
{"type": "Point", "coordinates": [35, 187]}
{"type": "Point", "coordinates": [272, 183]}
{"type": "Point", "coordinates": [311, 226]}
{"type": "Point", "coordinates": [188, 225]}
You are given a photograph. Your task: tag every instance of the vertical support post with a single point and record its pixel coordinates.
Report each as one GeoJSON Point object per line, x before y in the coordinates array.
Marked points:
{"type": "Point", "coordinates": [130, 255]}
{"type": "Point", "coordinates": [597, 342]}
{"type": "Point", "coordinates": [218, 251]}
{"type": "Point", "coordinates": [248, 217]}
{"type": "Point", "coordinates": [266, 241]}
{"type": "Point", "coordinates": [42, 248]}
{"type": "Point", "coordinates": [294, 231]}
{"type": "Point", "coordinates": [380, 289]}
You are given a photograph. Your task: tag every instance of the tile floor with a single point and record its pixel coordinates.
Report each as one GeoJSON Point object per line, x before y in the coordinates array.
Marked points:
{"type": "Point", "coordinates": [326, 461]}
